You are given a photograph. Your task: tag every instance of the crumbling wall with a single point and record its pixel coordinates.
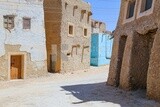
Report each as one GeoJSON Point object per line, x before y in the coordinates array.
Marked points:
{"type": "Point", "coordinates": [98, 27]}
{"type": "Point", "coordinates": [153, 77]}
{"type": "Point", "coordinates": [30, 41]}
{"type": "Point", "coordinates": [140, 64]}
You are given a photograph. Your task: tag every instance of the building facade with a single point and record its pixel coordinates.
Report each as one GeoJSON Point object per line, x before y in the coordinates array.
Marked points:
{"type": "Point", "coordinates": [101, 48]}
{"type": "Point", "coordinates": [68, 30]}
{"type": "Point", "coordinates": [101, 44]}
{"type": "Point", "coordinates": [22, 42]}
{"type": "Point", "coordinates": [135, 59]}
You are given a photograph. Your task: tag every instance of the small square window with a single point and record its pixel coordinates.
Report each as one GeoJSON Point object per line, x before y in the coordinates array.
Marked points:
{"type": "Point", "coordinates": [8, 21]}
{"type": "Point", "coordinates": [70, 30]}
{"type": "Point", "coordinates": [26, 23]}
{"type": "Point", "coordinates": [131, 7]}
{"type": "Point", "coordinates": [85, 32]}
{"type": "Point", "coordinates": [146, 5]}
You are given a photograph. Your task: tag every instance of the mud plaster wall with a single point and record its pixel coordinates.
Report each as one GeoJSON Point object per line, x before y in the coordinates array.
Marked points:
{"type": "Point", "coordinates": [153, 77]}
{"type": "Point", "coordinates": [140, 56]}
{"type": "Point", "coordinates": [53, 17]}
{"type": "Point", "coordinates": [32, 41]}
{"type": "Point", "coordinates": [75, 62]}
{"type": "Point", "coordinates": [131, 64]}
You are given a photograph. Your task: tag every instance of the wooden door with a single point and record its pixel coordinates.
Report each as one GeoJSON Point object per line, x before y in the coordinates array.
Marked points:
{"type": "Point", "coordinates": [16, 65]}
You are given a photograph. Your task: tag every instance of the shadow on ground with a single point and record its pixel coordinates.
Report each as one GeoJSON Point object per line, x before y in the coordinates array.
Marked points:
{"type": "Point", "coordinates": [104, 93]}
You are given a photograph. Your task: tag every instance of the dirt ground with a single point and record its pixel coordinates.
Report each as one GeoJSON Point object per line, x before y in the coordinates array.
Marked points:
{"type": "Point", "coordinates": [85, 88]}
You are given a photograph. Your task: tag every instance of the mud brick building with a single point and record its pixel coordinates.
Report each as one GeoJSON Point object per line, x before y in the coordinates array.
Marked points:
{"type": "Point", "coordinates": [98, 26]}
{"type": "Point", "coordinates": [135, 59]}
{"type": "Point", "coordinates": [68, 30]}
{"type": "Point", "coordinates": [22, 41]}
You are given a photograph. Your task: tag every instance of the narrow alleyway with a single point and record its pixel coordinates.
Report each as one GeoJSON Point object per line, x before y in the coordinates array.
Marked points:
{"type": "Point", "coordinates": [80, 89]}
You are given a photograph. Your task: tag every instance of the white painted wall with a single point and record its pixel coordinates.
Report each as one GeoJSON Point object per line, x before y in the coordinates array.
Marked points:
{"type": "Point", "coordinates": [32, 41]}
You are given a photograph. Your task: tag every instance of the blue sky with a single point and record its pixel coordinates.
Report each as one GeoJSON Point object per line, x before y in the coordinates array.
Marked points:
{"type": "Point", "coordinates": [106, 11]}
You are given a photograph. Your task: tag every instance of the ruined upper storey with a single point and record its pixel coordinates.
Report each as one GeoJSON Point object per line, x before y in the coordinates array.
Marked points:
{"type": "Point", "coordinates": [98, 27]}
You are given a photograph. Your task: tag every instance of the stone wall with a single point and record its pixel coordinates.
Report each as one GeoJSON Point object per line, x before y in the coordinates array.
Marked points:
{"type": "Point", "coordinates": [138, 65]}
{"type": "Point", "coordinates": [59, 14]}
{"type": "Point", "coordinates": [29, 42]}
{"type": "Point", "coordinates": [81, 59]}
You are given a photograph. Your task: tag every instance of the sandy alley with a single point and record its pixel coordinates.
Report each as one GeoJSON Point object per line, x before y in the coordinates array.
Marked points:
{"type": "Point", "coordinates": [85, 88]}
